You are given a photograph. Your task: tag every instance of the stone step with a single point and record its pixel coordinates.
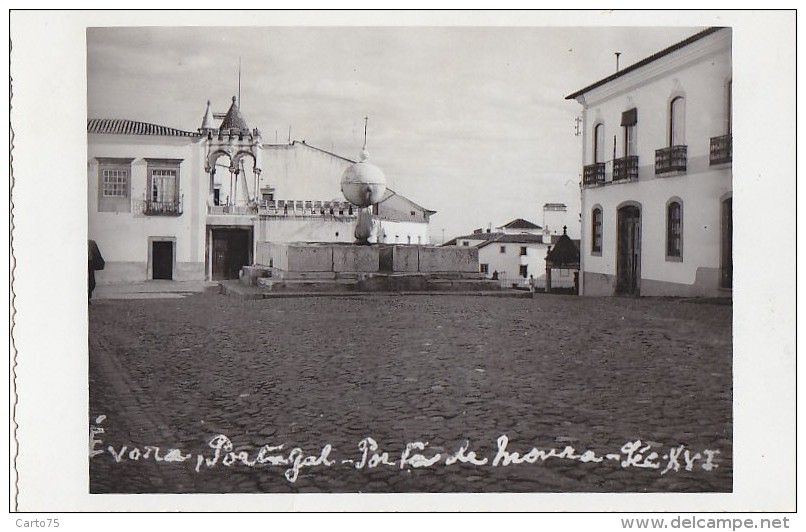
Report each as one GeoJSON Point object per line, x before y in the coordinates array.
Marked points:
{"type": "Point", "coordinates": [236, 289]}
{"type": "Point", "coordinates": [308, 285]}
{"type": "Point", "coordinates": [462, 285]}
{"type": "Point", "coordinates": [250, 275]}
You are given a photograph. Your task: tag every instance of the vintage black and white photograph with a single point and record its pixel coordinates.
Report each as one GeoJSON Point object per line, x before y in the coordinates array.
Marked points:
{"type": "Point", "coordinates": [389, 258]}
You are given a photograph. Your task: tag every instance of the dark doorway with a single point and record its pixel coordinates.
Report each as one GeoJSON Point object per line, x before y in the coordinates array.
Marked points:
{"type": "Point", "coordinates": [726, 271]}
{"type": "Point", "coordinates": [162, 260]}
{"type": "Point", "coordinates": [628, 267]}
{"type": "Point", "coordinates": [231, 252]}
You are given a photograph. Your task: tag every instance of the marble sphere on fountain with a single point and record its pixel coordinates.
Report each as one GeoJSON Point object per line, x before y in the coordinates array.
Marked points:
{"type": "Point", "coordinates": [362, 183]}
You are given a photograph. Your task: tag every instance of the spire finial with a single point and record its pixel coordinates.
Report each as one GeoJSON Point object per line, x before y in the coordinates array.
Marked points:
{"type": "Point", "coordinates": [565, 229]}
{"type": "Point", "coordinates": [364, 152]}
{"type": "Point", "coordinates": [366, 120]}
{"type": "Point", "coordinates": [207, 121]}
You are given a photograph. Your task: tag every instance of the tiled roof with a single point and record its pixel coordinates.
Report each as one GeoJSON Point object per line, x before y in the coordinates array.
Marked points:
{"type": "Point", "coordinates": [513, 239]}
{"type": "Point", "coordinates": [115, 126]}
{"type": "Point", "coordinates": [474, 236]}
{"type": "Point", "coordinates": [651, 58]}
{"type": "Point", "coordinates": [234, 119]}
{"type": "Point", "coordinates": [494, 238]}
{"type": "Point", "coordinates": [520, 223]}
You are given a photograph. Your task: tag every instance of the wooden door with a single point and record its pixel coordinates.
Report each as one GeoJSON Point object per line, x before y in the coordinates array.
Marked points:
{"type": "Point", "coordinates": [628, 268]}
{"type": "Point", "coordinates": [220, 253]}
{"type": "Point", "coordinates": [162, 260]}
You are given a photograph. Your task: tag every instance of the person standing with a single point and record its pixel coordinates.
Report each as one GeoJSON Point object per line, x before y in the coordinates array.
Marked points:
{"type": "Point", "coordinates": [94, 262]}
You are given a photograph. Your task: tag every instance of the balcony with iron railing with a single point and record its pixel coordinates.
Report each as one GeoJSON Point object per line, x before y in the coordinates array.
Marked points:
{"type": "Point", "coordinates": [721, 149]}
{"type": "Point", "coordinates": [172, 207]}
{"type": "Point", "coordinates": [626, 168]}
{"type": "Point", "coordinates": [593, 174]}
{"type": "Point", "coordinates": [671, 159]}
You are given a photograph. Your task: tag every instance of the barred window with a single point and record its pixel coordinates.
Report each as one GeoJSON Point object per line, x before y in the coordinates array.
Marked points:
{"type": "Point", "coordinates": [596, 230]}
{"type": "Point", "coordinates": [115, 182]}
{"type": "Point", "coordinates": [674, 230]}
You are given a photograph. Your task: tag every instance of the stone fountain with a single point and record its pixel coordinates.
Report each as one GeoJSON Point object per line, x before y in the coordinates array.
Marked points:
{"type": "Point", "coordinates": [364, 266]}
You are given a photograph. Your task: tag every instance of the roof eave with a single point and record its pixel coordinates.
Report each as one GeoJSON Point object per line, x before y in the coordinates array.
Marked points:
{"type": "Point", "coordinates": [645, 61]}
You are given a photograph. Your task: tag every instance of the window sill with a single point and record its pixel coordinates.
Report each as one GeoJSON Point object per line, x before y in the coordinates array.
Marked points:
{"type": "Point", "coordinates": [674, 259]}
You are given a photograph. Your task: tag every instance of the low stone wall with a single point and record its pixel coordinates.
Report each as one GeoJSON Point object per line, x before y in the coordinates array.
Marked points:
{"type": "Point", "coordinates": [341, 258]}
{"type": "Point", "coordinates": [449, 259]}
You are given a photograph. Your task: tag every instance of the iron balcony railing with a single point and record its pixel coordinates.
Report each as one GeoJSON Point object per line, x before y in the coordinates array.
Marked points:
{"type": "Point", "coordinates": [593, 174]}
{"type": "Point", "coordinates": [626, 168]}
{"type": "Point", "coordinates": [163, 208]}
{"type": "Point", "coordinates": [722, 149]}
{"type": "Point", "coordinates": [671, 159]}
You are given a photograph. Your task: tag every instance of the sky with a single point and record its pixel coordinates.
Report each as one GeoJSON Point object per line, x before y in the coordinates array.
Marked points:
{"type": "Point", "coordinates": [471, 122]}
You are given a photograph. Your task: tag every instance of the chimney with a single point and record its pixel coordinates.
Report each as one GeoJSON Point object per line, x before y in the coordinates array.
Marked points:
{"type": "Point", "coordinates": [546, 235]}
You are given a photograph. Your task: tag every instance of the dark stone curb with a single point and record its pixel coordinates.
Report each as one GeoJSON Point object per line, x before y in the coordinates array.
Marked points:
{"type": "Point", "coordinates": [239, 290]}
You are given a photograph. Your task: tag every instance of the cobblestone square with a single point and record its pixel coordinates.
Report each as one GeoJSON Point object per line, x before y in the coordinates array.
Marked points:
{"type": "Point", "coordinates": [385, 393]}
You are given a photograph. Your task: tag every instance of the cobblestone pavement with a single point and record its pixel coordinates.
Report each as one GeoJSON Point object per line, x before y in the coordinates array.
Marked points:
{"type": "Point", "coordinates": [553, 372]}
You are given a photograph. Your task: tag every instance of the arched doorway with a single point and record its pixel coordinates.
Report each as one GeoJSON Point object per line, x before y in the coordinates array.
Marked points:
{"type": "Point", "coordinates": [628, 265]}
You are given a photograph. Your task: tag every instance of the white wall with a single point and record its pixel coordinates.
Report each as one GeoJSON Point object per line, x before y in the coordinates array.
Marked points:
{"type": "Point", "coordinates": [699, 73]}
{"type": "Point", "coordinates": [123, 236]}
{"type": "Point", "coordinates": [301, 172]}
{"type": "Point", "coordinates": [508, 264]}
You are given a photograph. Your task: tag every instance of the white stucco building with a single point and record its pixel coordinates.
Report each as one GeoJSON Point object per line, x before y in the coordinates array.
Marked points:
{"type": "Point", "coordinates": [165, 203]}
{"type": "Point", "coordinates": [657, 174]}
{"type": "Point", "coordinates": [514, 252]}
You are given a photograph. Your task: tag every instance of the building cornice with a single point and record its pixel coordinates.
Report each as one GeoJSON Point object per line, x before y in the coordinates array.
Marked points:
{"type": "Point", "coordinates": [693, 50]}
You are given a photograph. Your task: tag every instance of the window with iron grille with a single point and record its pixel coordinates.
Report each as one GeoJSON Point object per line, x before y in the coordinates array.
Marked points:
{"type": "Point", "coordinates": [523, 250]}
{"type": "Point", "coordinates": [484, 268]}
{"type": "Point", "coordinates": [502, 249]}
{"type": "Point", "coordinates": [674, 230]}
{"type": "Point", "coordinates": [524, 270]}
{"type": "Point", "coordinates": [596, 231]}
{"type": "Point", "coordinates": [163, 185]}
{"type": "Point", "coordinates": [162, 193]}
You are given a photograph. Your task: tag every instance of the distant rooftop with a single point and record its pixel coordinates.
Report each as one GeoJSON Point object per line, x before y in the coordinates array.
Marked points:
{"type": "Point", "coordinates": [520, 223]}
{"type": "Point", "coordinates": [513, 239]}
